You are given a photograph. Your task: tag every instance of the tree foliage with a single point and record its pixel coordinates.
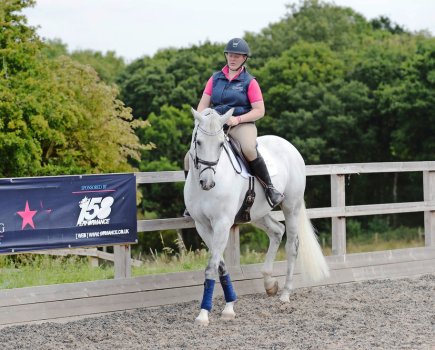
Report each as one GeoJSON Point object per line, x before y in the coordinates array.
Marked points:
{"type": "Point", "coordinates": [56, 116]}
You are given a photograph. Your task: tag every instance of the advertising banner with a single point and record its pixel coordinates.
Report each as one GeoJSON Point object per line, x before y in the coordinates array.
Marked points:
{"type": "Point", "coordinates": [67, 211]}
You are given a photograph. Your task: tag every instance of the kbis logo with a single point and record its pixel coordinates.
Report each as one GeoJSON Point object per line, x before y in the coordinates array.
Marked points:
{"type": "Point", "coordinates": [95, 211]}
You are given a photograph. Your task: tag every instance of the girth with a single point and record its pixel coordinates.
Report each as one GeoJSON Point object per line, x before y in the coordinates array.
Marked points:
{"type": "Point", "coordinates": [244, 213]}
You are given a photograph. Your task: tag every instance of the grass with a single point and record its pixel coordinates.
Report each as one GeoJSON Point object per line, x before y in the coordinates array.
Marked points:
{"type": "Point", "coordinates": [25, 270]}
{"type": "Point", "coordinates": [166, 263]}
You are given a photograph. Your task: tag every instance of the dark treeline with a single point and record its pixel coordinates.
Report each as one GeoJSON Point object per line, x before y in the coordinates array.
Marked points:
{"type": "Point", "coordinates": [341, 88]}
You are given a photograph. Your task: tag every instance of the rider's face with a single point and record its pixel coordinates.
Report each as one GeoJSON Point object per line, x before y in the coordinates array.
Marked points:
{"type": "Point", "coordinates": [235, 60]}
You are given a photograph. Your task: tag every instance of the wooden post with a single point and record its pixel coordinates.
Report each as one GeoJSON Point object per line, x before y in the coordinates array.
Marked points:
{"type": "Point", "coordinates": [93, 261]}
{"type": "Point", "coordinates": [338, 199]}
{"type": "Point", "coordinates": [122, 261]}
{"type": "Point", "coordinates": [429, 216]}
{"type": "Point", "coordinates": [232, 251]}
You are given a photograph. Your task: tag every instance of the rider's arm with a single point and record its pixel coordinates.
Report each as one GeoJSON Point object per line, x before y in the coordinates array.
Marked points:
{"type": "Point", "coordinates": [204, 102]}
{"type": "Point", "coordinates": [206, 96]}
{"type": "Point", "coordinates": [257, 112]}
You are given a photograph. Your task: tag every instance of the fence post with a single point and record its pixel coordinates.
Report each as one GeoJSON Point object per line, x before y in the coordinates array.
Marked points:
{"type": "Point", "coordinates": [338, 199]}
{"type": "Point", "coordinates": [122, 261]}
{"type": "Point", "coordinates": [232, 251]}
{"type": "Point", "coordinates": [429, 216]}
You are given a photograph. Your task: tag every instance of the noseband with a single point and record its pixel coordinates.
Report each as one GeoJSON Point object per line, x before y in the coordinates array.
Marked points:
{"type": "Point", "coordinates": [196, 160]}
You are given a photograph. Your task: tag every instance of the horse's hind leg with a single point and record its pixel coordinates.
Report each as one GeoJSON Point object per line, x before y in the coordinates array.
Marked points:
{"type": "Point", "coordinates": [275, 231]}
{"type": "Point", "coordinates": [291, 247]}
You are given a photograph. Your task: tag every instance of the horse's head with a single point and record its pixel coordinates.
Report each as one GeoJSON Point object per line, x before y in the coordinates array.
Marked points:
{"type": "Point", "coordinates": [207, 142]}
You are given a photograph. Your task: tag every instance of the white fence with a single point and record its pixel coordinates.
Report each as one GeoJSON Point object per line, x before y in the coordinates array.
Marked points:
{"type": "Point", "coordinates": [338, 211]}
{"type": "Point", "coordinates": [123, 293]}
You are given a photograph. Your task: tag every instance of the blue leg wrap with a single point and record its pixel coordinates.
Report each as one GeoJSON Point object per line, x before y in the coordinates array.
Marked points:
{"type": "Point", "coordinates": [207, 298]}
{"type": "Point", "coordinates": [227, 286]}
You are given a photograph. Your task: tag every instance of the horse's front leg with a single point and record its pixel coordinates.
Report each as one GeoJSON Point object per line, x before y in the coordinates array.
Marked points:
{"type": "Point", "coordinates": [216, 245]}
{"type": "Point", "coordinates": [211, 273]}
{"type": "Point", "coordinates": [229, 294]}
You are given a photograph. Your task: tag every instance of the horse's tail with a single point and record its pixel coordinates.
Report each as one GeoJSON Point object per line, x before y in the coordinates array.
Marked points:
{"type": "Point", "coordinates": [312, 262]}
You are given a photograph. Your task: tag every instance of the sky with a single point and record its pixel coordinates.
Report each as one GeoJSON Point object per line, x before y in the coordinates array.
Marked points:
{"type": "Point", "coordinates": [134, 28]}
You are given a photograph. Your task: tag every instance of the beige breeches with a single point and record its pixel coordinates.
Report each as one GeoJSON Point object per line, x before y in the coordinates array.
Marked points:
{"type": "Point", "coordinates": [246, 134]}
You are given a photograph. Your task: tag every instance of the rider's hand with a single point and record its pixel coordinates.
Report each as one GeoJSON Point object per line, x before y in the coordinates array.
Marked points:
{"type": "Point", "coordinates": [233, 121]}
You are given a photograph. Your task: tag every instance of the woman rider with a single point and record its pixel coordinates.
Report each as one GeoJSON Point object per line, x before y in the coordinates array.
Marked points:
{"type": "Point", "coordinates": [234, 87]}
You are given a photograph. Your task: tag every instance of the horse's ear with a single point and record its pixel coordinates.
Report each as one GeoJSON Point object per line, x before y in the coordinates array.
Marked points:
{"type": "Point", "coordinates": [196, 114]}
{"type": "Point", "coordinates": [227, 116]}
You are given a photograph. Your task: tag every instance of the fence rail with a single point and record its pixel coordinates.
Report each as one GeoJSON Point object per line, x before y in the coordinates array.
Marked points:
{"type": "Point", "coordinates": [338, 211]}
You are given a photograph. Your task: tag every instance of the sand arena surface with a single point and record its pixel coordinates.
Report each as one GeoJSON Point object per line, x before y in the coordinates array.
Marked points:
{"type": "Point", "coordinates": [378, 314]}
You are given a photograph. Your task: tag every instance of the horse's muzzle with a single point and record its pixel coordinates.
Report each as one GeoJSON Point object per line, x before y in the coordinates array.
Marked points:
{"type": "Point", "coordinates": [207, 185]}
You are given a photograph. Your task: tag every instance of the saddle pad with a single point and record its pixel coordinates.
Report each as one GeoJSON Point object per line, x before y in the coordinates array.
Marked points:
{"type": "Point", "coordinates": [245, 172]}
{"type": "Point", "coordinates": [238, 165]}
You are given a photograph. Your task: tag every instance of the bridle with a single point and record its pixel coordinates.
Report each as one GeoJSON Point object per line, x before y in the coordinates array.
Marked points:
{"type": "Point", "coordinates": [196, 160]}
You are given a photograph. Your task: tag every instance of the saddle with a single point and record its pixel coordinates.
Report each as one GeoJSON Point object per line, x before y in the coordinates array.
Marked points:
{"type": "Point", "coordinates": [244, 213]}
{"type": "Point", "coordinates": [237, 150]}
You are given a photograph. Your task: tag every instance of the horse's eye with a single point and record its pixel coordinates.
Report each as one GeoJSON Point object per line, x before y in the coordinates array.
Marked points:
{"type": "Point", "coordinates": [198, 143]}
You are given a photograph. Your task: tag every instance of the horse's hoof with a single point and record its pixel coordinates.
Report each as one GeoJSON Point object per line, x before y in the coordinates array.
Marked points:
{"type": "Point", "coordinates": [228, 313]}
{"type": "Point", "coordinates": [228, 316]}
{"type": "Point", "coordinates": [272, 290]}
{"type": "Point", "coordinates": [202, 318]}
{"type": "Point", "coordinates": [201, 322]}
{"type": "Point", "coordinates": [285, 297]}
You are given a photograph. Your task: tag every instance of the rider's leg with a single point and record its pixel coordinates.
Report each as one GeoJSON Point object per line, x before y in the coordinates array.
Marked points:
{"type": "Point", "coordinates": [246, 134]}
{"type": "Point", "coordinates": [259, 169]}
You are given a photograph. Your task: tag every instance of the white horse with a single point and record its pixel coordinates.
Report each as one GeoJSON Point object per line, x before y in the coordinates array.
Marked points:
{"type": "Point", "coordinates": [214, 192]}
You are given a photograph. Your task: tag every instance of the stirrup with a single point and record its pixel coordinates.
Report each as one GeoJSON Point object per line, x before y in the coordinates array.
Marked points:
{"type": "Point", "coordinates": [273, 196]}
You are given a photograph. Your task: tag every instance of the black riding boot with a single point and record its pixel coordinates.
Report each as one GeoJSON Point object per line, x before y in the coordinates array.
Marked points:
{"type": "Point", "coordinates": [186, 213]}
{"type": "Point", "coordinates": [259, 169]}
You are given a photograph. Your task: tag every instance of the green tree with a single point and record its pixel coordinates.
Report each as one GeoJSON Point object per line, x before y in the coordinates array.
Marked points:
{"type": "Point", "coordinates": [170, 134]}
{"type": "Point", "coordinates": [54, 48]}
{"type": "Point", "coordinates": [56, 116]}
{"type": "Point", "coordinates": [145, 86]}
{"type": "Point", "coordinates": [384, 23]}
{"type": "Point", "coordinates": [108, 66]}
{"type": "Point", "coordinates": [412, 101]}
{"type": "Point", "coordinates": [172, 77]}
{"type": "Point", "coordinates": [309, 21]}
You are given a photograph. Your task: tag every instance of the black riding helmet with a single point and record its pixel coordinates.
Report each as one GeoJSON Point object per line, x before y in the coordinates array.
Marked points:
{"type": "Point", "coordinates": [238, 46]}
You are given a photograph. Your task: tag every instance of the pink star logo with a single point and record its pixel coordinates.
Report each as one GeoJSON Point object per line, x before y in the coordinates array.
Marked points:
{"type": "Point", "coordinates": [27, 216]}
